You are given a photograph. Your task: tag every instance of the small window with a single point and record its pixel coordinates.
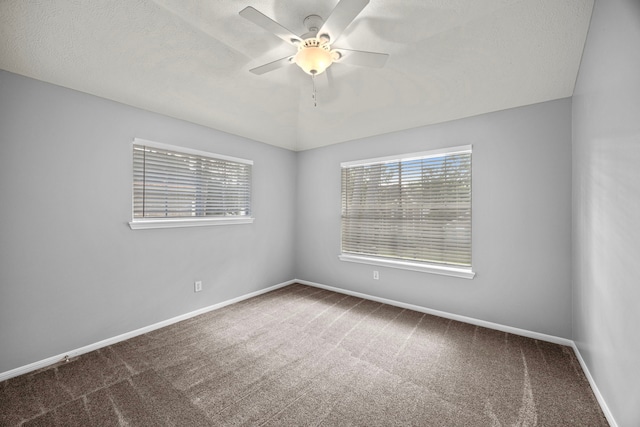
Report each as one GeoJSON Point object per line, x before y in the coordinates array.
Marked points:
{"type": "Point", "coordinates": [411, 211]}
{"type": "Point", "coordinates": [178, 187]}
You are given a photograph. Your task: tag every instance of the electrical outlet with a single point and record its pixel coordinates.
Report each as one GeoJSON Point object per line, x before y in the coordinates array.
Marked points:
{"type": "Point", "coordinates": [376, 275]}
{"type": "Point", "coordinates": [197, 286]}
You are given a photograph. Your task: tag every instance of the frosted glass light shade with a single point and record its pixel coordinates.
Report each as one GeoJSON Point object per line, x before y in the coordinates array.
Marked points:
{"type": "Point", "coordinates": [313, 60]}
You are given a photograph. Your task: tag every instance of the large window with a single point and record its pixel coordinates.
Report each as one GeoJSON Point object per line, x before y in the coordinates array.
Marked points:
{"type": "Point", "coordinates": [411, 211]}
{"type": "Point", "coordinates": [175, 187]}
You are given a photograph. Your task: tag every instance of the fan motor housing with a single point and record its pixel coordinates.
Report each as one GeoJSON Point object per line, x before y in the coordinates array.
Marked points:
{"type": "Point", "coordinates": [314, 42]}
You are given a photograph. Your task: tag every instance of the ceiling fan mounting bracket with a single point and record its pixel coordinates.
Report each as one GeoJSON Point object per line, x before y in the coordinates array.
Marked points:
{"type": "Point", "coordinates": [313, 23]}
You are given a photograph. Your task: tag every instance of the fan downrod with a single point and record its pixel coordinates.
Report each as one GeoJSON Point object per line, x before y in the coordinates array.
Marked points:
{"type": "Point", "coordinates": [313, 23]}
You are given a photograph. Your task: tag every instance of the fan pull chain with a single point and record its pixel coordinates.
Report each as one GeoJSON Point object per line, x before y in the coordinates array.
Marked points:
{"type": "Point", "coordinates": [313, 95]}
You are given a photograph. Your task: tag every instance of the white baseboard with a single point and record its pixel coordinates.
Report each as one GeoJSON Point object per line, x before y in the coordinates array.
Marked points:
{"type": "Point", "coordinates": [603, 404]}
{"type": "Point", "coordinates": [471, 320]}
{"type": "Point", "coordinates": [113, 340]}
{"type": "Point", "coordinates": [490, 325]}
{"type": "Point", "coordinates": [110, 341]}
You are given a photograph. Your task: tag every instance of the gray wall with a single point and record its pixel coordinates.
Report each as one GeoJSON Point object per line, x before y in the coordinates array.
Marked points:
{"type": "Point", "coordinates": [521, 219]}
{"type": "Point", "coordinates": [606, 206]}
{"type": "Point", "coordinates": [71, 271]}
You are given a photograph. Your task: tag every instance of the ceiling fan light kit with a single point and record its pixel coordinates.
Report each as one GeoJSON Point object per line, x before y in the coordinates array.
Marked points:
{"type": "Point", "coordinates": [314, 54]}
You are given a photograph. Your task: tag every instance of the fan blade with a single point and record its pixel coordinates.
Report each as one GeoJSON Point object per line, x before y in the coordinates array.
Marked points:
{"type": "Point", "coordinates": [272, 65]}
{"type": "Point", "coordinates": [362, 58]}
{"type": "Point", "coordinates": [340, 18]}
{"type": "Point", "coordinates": [270, 25]}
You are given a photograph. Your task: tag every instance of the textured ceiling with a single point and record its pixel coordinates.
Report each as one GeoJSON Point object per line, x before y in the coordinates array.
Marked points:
{"type": "Point", "coordinates": [189, 59]}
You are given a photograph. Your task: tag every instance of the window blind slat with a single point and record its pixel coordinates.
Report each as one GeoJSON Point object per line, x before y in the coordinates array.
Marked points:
{"type": "Point", "coordinates": [172, 184]}
{"type": "Point", "coordinates": [417, 209]}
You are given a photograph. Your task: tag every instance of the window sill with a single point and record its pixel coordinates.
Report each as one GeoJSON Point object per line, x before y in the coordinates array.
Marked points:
{"type": "Point", "coordinates": [465, 273]}
{"type": "Point", "coordinates": [143, 224]}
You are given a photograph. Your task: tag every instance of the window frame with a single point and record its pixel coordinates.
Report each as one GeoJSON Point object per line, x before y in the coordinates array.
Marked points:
{"type": "Point", "coordinates": [400, 263]}
{"type": "Point", "coordinates": [186, 221]}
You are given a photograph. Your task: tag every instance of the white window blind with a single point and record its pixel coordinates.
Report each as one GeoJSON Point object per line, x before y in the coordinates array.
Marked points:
{"type": "Point", "coordinates": [415, 209]}
{"type": "Point", "coordinates": [176, 183]}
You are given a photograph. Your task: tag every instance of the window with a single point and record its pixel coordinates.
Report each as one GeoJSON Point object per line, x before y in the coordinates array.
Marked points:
{"type": "Point", "coordinates": [411, 212]}
{"type": "Point", "coordinates": [178, 187]}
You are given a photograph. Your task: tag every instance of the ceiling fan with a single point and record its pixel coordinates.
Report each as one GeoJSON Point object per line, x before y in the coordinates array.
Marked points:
{"type": "Point", "coordinates": [315, 51]}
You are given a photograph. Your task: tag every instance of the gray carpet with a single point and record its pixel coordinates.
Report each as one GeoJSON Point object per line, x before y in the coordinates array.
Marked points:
{"type": "Point", "coordinates": [304, 356]}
